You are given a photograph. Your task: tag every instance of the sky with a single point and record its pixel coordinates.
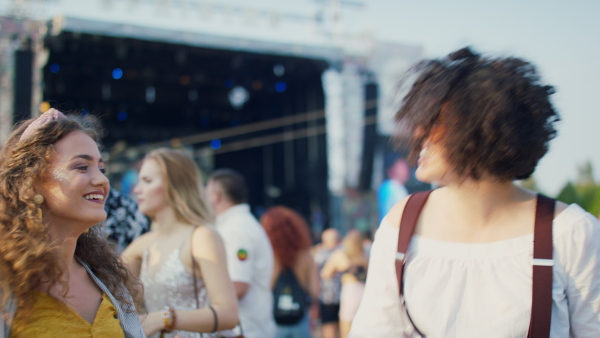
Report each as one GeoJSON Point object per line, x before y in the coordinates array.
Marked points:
{"type": "Point", "coordinates": [562, 38]}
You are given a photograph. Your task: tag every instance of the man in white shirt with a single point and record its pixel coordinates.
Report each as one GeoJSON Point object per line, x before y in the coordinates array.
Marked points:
{"type": "Point", "coordinates": [249, 252]}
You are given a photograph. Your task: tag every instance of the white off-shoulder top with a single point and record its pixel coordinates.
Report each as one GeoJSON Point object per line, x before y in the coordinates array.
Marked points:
{"type": "Point", "coordinates": [483, 290]}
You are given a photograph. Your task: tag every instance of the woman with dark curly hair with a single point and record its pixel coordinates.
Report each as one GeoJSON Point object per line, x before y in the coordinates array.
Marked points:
{"type": "Point", "coordinates": [290, 237]}
{"type": "Point", "coordinates": [58, 276]}
{"type": "Point", "coordinates": [470, 269]}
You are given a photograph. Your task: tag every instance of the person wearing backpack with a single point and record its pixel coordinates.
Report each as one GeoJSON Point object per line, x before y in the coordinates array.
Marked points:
{"type": "Point", "coordinates": [295, 280]}
{"type": "Point", "coordinates": [481, 256]}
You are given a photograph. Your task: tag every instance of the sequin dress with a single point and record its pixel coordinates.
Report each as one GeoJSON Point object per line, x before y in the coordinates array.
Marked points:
{"type": "Point", "coordinates": [173, 286]}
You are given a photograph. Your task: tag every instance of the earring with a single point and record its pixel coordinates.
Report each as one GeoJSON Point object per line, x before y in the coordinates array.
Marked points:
{"type": "Point", "coordinates": [38, 199]}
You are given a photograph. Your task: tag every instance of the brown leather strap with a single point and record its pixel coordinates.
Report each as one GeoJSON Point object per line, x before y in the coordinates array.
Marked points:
{"type": "Point", "coordinates": [541, 303]}
{"type": "Point", "coordinates": [194, 270]}
{"type": "Point", "coordinates": [410, 215]}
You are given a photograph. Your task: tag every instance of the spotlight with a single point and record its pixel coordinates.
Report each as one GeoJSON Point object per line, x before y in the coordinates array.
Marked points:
{"type": "Point", "coordinates": [215, 144]}
{"type": "Point", "coordinates": [150, 94]}
{"type": "Point", "coordinates": [122, 115]}
{"type": "Point", "coordinates": [278, 70]}
{"type": "Point", "coordinates": [238, 96]}
{"type": "Point", "coordinates": [117, 73]}
{"type": "Point", "coordinates": [280, 86]}
{"type": "Point", "coordinates": [54, 68]}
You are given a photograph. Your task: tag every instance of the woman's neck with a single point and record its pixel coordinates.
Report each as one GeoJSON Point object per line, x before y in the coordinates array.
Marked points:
{"type": "Point", "coordinates": [65, 241]}
{"type": "Point", "coordinates": [482, 202]}
{"type": "Point", "coordinates": [166, 223]}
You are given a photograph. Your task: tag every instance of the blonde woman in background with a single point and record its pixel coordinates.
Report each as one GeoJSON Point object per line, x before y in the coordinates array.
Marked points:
{"type": "Point", "coordinates": [180, 244]}
{"type": "Point", "coordinates": [350, 261]}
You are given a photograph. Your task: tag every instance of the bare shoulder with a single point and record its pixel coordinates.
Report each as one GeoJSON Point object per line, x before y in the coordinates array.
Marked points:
{"type": "Point", "coordinates": [206, 239]}
{"type": "Point", "coordinates": [335, 256]}
{"type": "Point", "coordinates": [394, 215]}
{"type": "Point", "coordinates": [205, 233]}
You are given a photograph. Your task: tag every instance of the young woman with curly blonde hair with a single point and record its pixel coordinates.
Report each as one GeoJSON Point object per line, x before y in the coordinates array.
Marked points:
{"type": "Point", "coordinates": [58, 276]}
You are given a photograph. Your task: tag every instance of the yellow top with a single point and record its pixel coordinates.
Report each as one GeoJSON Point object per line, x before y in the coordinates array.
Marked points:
{"type": "Point", "coordinates": [53, 318]}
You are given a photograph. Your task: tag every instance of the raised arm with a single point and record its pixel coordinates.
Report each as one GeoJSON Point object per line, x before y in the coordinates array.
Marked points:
{"type": "Point", "coordinates": [332, 265]}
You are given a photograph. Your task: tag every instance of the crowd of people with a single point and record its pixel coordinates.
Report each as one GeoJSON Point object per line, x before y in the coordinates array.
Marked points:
{"type": "Point", "coordinates": [479, 256]}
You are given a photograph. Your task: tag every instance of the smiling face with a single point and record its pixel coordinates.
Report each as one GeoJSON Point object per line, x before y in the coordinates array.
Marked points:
{"type": "Point", "coordinates": [151, 189]}
{"type": "Point", "coordinates": [74, 187]}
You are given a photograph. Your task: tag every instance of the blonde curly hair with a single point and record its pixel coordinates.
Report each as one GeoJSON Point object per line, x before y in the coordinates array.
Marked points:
{"type": "Point", "coordinates": [27, 257]}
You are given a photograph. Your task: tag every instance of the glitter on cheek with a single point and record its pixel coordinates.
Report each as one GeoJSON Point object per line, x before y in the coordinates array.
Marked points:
{"type": "Point", "coordinates": [60, 176]}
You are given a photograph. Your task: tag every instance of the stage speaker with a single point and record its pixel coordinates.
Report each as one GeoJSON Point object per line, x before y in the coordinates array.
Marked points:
{"type": "Point", "coordinates": [22, 85]}
{"type": "Point", "coordinates": [369, 137]}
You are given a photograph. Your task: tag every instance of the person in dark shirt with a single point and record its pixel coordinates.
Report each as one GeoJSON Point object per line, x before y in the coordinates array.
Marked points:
{"type": "Point", "coordinates": [124, 222]}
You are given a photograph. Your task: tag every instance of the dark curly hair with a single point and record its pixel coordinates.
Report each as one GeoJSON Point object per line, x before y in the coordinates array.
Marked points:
{"type": "Point", "coordinates": [492, 115]}
{"type": "Point", "coordinates": [288, 232]}
{"type": "Point", "coordinates": [27, 256]}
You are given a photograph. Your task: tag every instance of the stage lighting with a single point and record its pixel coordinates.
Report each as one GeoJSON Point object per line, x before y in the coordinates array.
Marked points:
{"type": "Point", "coordinates": [117, 73]}
{"type": "Point", "coordinates": [122, 115]}
{"type": "Point", "coordinates": [278, 70]}
{"type": "Point", "coordinates": [54, 68]}
{"type": "Point", "coordinates": [215, 144]}
{"type": "Point", "coordinates": [150, 94]}
{"type": "Point", "coordinates": [238, 96]}
{"type": "Point", "coordinates": [280, 86]}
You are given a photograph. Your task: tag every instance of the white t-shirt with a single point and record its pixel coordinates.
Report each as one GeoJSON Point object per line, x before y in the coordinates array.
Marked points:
{"type": "Point", "coordinates": [249, 260]}
{"type": "Point", "coordinates": [483, 289]}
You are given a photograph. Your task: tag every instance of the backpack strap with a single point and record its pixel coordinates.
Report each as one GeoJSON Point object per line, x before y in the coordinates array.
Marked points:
{"type": "Point", "coordinates": [410, 215]}
{"type": "Point", "coordinates": [541, 304]}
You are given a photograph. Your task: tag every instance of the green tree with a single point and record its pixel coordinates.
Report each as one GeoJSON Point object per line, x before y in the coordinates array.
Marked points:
{"type": "Point", "coordinates": [568, 194]}
{"type": "Point", "coordinates": [585, 191]}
